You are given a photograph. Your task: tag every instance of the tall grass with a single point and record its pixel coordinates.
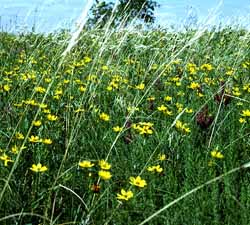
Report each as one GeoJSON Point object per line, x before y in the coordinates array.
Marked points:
{"type": "Point", "coordinates": [107, 78]}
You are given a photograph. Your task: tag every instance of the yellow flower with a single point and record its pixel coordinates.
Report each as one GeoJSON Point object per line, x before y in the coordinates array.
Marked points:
{"type": "Point", "coordinates": [86, 164]}
{"type": "Point", "coordinates": [6, 87]}
{"type": "Point", "coordinates": [182, 127]}
{"type": "Point", "coordinates": [194, 85]}
{"type": "Point", "coordinates": [34, 139]}
{"type": "Point", "coordinates": [105, 175]}
{"type": "Point", "coordinates": [230, 72]}
{"type": "Point", "coordinates": [189, 110]}
{"type": "Point", "coordinates": [6, 159]}
{"type": "Point", "coordinates": [246, 113]}
{"type": "Point", "coordinates": [162, 108]}
{"type": "Point", "coordinates": [140, 86]}
{"type": "Point", "coordinates": [48, 80]}
{"type": "Point", "coordinates": [242, 120]}
{"type": "Point", "coordinates": [216, 154]}
{"type": "Point", "coordinates": [137, 181]}
{"type": "Point", "coordinates": [192, 68]}
{"type": "Point", "coordinates": [104, 117]}
{"type": "Point", "coordinates": [207, 67]}
{"type": "Point", "coordinates": [82, 89]}
{"type": "Point", "coordinates": [38, 168]}
{"type": "Point", "coordinates": [51, 117]}
{"type": "Point", "coordinates": [46, 111]}
{"type": "Point", "coordinates": [162, 157]}
{"type": "Point", "coordinates": [157, 169]}
{"type": "Point", "coordinates": [87, 59]}
{"type": "Point", "coordinates": [57, 97]}
{"type": "Point", "coordinates": [117, 129]}
{"type": "Point", "coordinates": [105, 68]}
{"type": "Point", "coordinates": [59, 92]}
{"type": "Point", "coordinates": [14, 149]}
{"type": "Point", "coordinates": [104, 165]}
{"type": "Point", "coordinates": [47, 141]}
{"type": "Point", "coordinates": [151, 98]}
{"type": "Point", "coordinates": [125, 195]}
{"type": "Point", "coordinates": [40, 90]}
{"type": "Point", "coordinates": [109, 88]}
{"type": "Point", "coordinates": [31, 102]}
{"type": "Point", "coordinates": [143, 127]}
{"type": "Point", "coordinates": [19, 136]}
{"type": "Point", "coordinates": [66, 81]}
{"type": "Point", "coordinates": [37, 123]}
{"type": "Point", "coordinates": [167, 98]}
{"type": "Point", "coordinates": [43, 106]}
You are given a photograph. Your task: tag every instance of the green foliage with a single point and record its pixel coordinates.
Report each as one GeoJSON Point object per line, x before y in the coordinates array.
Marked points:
{"type": "Point", "coordinates": [117, 97]}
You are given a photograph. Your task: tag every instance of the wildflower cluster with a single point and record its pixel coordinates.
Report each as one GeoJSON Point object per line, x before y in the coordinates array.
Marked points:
{"type": "Point", "coordinates": [143, 128]}
{"type": "Point", "coordinates": [121, 105]}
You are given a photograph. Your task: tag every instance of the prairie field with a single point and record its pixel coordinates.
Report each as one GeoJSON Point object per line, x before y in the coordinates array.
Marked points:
{"type": "Point", "coordinates": [125, 127]}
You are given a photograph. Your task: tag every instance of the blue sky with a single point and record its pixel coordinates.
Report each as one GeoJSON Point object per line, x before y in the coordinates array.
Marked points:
{"type": "Point", "coordinates": [49, 15]}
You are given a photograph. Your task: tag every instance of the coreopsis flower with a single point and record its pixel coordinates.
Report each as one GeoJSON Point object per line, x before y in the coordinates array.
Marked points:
{"type": "Point", "coordinates": [216, 154]}
{"type": "Point", "coordinates": [140, 86]}
{"type": "Point", "coordinates": [137, 181]}
{"type": "Point", "coordinates": [104, 117]}
{"type": "Point", "coordinates": [207, 67]}
{"type": "Point", "coordinates": [14, 149]}
{"type": "Point", "coordinates": [125, 195]}
{"type": "Point", "coordinates": [6, 87]}
{"type": "Point", "coordinates": [19, 136]}
{"type": "Point", "coordinates": [40, 90]}
{"type": "Point", "coordinates": [162, 108]}
{"type": "Point", "coordinates": [31, 102]}
{"type": "Point", "coordinates": [189, 110]}
{"type": "Point", "coordinates": [105, 175]}
{"type": "Point", "coordinates": [46, 111]}
{"type": "Point", "coordinates": [246, 113]}
{"type": "Point", "coordinates": [37, 123]}
{"type": "Point", "coordinates": [6, 159]}
{"type": "Point", "coordinates": [43, 106]}
{"type": "Point", "coordinates": [143, 127]}
{"type": "Point", "coordinates": [152, 98]}
{"type": "Point", "coordinates": [182, 127]}
{"type": "Point", "coordinates": [86, 164]}
{"type": "Point", "coordinates": [51, 117]}
{"type": "Point", "coordinates": [38, 168]}
{"type": "Point", "coordinates": [59, 92]}
{"type": "Point", "coordinates": [34, 139]}
{"type": "Point", "coordinates": [66, 81]}
{"type": "Point", "coordinates": [168, 98]}
{"type": "Point", "coordinates": [192, 68]}
{"type": "Point", "coordinates": [236, 91]}
{"type": "Point", "coordinates": [194, 86]}
{"type": "Point", "coordinates": [105, 68]}
{"type": "Point", "coordinates": [47, 141]}
{"type": "Point", "coordinates": [104, 165]}
{"type": "Point", "coordinates": [162, 157]}
{"type": "Point", "coordinates": [82, 88]}
{"type": "Point", "coordinates": [87, 59]}
{"type": "Point", "coordinates": [157, 169]}
{"type": "Point", "coordinates": [242, 120]}
{"type": "Point", "coordinates": [117, 129]}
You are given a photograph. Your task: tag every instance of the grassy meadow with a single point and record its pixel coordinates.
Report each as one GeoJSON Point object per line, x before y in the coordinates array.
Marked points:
{"type": "Point", "coordinates": [124, 124]}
